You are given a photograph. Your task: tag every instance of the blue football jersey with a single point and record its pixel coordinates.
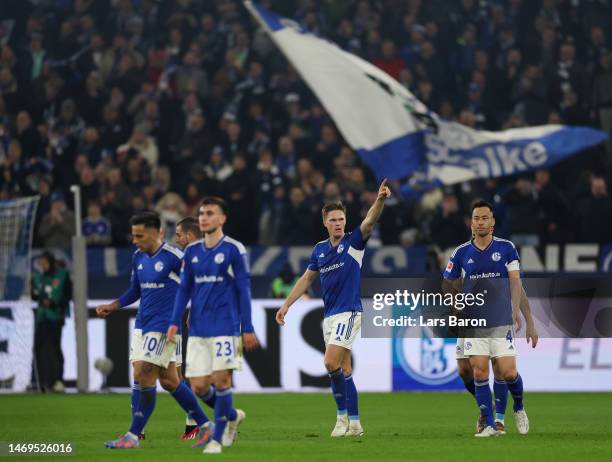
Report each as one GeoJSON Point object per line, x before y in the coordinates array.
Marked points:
{"type": "Point", "coordinates": [486, 271]}
{"type": "Point", "coordinates": [340, 272]}
{"type": "Point", "coordinates": [219, 284]}
{"type": "Point", "coordinates": [155, 279]}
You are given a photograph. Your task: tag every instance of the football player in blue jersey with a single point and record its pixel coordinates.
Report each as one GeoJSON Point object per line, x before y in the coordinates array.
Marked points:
{"type": "Point", "coordinates": [464, 369]}
{"type": "Point", "coordinates": [490, 265]}
{"type": "Point", "coordinates": [154, 280]}
{"type": "Point", "coordinates": [188, 231]}
{"type": "Point", "coordinates": [337, 262]}
{"type": "Point", "coordinates": [215, 277]}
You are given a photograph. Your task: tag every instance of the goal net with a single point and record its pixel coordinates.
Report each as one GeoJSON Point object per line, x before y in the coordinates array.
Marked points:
{"type": "Point", "coordinates": [16, 317]}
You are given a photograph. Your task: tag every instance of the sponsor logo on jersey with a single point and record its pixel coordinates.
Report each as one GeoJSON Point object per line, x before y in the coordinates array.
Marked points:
{"type": "Point", "coordinates": [322, 255]}
{"type": "Point", "coordinates": [207, 278]}
{"type": "Point", "coordinates": [152, 285]}
{"type": "Point", "coordinates": [329, 268]}
{"type": "Point", "coordinates": [496, 256]}
{"type": "Point", "coordinates": [219, 258]}
{"type": "Point", "coordinates": [470, 261]}
{"type": "Point", "coordinates": [195, 259]}
{"type": "Point", "coordinates": [485, 275]}
{"type": "Point", "coordinates": [159, 266]}
{"type": "Point", "coordinates": [139, 266]}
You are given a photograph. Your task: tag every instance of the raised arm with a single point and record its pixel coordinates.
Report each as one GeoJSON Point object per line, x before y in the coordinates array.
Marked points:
{"type": "Point", "coordinates": [367, 225]}
{"type": "Point", "coordinates": [300, 287]}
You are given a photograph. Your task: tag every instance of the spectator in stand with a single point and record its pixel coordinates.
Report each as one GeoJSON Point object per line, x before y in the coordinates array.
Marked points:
{"type": "Point", "coordinates": [448, 226]}
{"type": "Point", "coordinates": [523, 212]}
{"type": "Point", "coordinates": [596, 208]}
{"type": "Point", "coordinates": [96, 227]}
{"type": "Point", "coordinates": [57, 226]}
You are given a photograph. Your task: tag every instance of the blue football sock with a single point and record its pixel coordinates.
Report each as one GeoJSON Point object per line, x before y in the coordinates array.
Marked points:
{"type": "Point", "coordinates": [135, 395]}
{"type": "Point", "coordinates": [210, 397]}
{"type": "Point", "coordinates": [469, 386]}
{"type": "Point", "coordinates": [352, 404]}
{"type": "Point", "coordinates": [484, 401]}
{"type": "Point", "coordinates": [338, 386]}
{"type": "Point", "coordinates": [516, 390]}
{"type": "Point", "coordinates": [144, 409]}
{"type": "Point", "coordinates": [187, 400]}
{"type": "Point", "coordinates": [500, 389]}
{"type": "Point", "coordinates": [223, 406]}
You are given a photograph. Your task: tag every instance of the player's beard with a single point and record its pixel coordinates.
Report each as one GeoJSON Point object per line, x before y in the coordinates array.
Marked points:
{"type": "Point", "coordinates": [211, 231]}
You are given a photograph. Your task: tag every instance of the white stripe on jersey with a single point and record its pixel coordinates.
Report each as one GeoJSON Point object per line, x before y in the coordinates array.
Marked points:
{"type": "Point", "coordinates": [504, 240]}
{"type": "Point", "coordinates": [460, 247]}
{"type": "Point", "coordinates": [175, 277]}
{"type": "Point", "coordinates": [173, 250]}
{"type": "Point", "coordinates": [356, 254]}
{"type": "Point", "coordinates": [238, 244]}
{"type": "Point", "coordinates": [199, 241]}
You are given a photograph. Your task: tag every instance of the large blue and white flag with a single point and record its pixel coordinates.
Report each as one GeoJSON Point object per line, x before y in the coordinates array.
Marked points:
{"type": "Point", "coordinates": [396, 134]}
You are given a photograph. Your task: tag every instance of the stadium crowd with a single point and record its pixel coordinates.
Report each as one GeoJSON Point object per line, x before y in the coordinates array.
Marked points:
{"type": "Point", "coordinates": [154, 104]}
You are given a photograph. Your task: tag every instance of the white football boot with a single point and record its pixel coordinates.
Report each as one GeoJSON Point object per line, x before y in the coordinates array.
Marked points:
{"type": "Point", "coordinates": [487, 432]}
{"type": "Point", "coordinates": [522, 421]}
{"type": "Point", "coordinates": [342, 425]}
{"type": "Point", "coordinates": [214, 447]}
{"type": "Point", "coordinates": [231, 429]}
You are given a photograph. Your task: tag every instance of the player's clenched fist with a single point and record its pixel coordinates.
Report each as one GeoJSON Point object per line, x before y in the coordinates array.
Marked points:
{"type": "Point", "coordinates": [384, 192]}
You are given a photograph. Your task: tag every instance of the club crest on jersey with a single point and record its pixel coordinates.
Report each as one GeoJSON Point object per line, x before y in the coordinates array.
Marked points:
{"type": "Point", "coordinates": [496, 256]}
{"type": "Point", "coordinates": [219, 258]}
{"type": "Point", "coordinates": [159, 266]}
{"type": "Point", "coordinates": [468, 345]}
{"type": "Point", "coordinates": [449, 267]}
{"type": "Point", "coordinates": [340, 248]}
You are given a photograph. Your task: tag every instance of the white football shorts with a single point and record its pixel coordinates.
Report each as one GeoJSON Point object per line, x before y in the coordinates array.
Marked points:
{"type": "Point", "coordinates": [492, 347]}
{"type": "Point", "coordinates": [208, 354]}
{"type": "Point", "coordinates": [152, 347]}
{"type": "Point", "coordinates": [342, 329]}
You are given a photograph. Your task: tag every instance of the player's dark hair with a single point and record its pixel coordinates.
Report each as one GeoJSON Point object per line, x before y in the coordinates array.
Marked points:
{"type": "Point", "coordinates": [148, 219]}
{"type": "Point", "coordinates": [330, 207]}
{"type": "Point", "coordinates": [482, 203]}
{"type": "Point", "coordinates": [214, 200]}
{"type": "Point", "coordinates": [190, 225]}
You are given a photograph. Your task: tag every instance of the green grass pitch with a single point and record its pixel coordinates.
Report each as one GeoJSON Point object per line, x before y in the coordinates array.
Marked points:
{"type": "Point", "coordinates": [287, 427]}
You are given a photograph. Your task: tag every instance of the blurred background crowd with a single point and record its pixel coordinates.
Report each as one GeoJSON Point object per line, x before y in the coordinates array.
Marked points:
{"type": "Point", "coordinates": [154, 104]}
